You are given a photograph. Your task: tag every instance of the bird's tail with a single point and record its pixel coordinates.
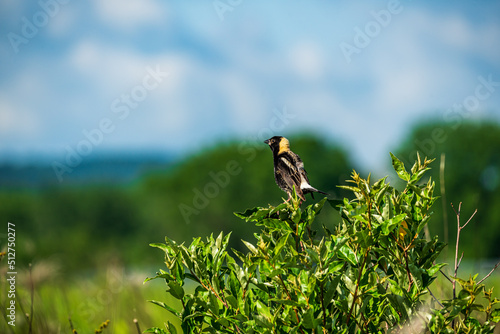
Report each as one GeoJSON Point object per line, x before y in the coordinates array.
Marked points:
{"type": "Point", "coordinates": [320, 191]}
{"type": "Point", "coordinates": [313, 190]}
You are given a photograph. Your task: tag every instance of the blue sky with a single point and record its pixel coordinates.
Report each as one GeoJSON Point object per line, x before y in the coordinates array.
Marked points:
{"type": "Point", "coordinates": [177, 76]}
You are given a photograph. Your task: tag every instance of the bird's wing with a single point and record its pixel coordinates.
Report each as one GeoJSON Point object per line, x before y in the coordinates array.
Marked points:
{"type": "Point", "coordinates": [291, 174]}
{"type": "Point", "coordinates": [304, 180]}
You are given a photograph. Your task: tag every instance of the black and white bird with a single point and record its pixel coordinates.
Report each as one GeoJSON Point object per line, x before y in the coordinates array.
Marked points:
{"type": "Point", "coordinates": [289, 169]}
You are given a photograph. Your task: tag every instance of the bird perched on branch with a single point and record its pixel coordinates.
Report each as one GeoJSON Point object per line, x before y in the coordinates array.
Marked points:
{"type": "Point", "coordinates": [289, 169]}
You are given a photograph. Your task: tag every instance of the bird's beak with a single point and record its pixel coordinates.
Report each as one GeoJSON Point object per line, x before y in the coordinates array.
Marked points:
{"type": "Point", "coordinates": [266, 141]}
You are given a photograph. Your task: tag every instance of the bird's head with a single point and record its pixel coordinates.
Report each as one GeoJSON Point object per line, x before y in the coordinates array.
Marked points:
{"type": "Point", "coordinates": [278, 144]}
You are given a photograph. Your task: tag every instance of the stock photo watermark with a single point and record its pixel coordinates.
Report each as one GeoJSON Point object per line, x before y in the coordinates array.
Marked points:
{"type": "Point", "coordinates": [30, 27]}
{"type": "Point", "coordinates": [11, 274]}
{"type": "Point", "coordinates": [121, 107]}
{"type": "Point", "coordinates": [455, 115]}
{"type": "Point", "coordinates": [371, 30]}
{"type": "Point", "coordinates": [221, 7]}
{"type": "Point", "coordinates": [221, 179]}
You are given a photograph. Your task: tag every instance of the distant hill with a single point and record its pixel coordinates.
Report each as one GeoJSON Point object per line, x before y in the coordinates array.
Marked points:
{"type": "Point", "coordinates": [112, 168]}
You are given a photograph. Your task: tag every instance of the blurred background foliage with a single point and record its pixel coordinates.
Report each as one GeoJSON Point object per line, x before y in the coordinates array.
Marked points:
{"type": "Point", "coordinates": [471, 153]}
{"type": "Point", "coordinates": [85, 225]}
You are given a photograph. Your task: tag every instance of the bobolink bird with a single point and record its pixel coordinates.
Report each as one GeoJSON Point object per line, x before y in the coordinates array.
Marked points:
{"type": "Point", "coordinates": [289, 169]}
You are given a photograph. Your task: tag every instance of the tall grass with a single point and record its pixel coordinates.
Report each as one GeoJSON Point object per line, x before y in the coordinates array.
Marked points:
{"type": "Point", "coordinates": [59, 302]}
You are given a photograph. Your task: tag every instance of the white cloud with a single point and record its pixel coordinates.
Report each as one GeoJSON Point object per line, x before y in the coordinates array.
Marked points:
{"type": "Point", "coordinates": [487, 45]}
{"type": "Point", "coordinates": [111, 69]}
{"type": "Point", "coordinates": [410, 75]}
{"type": "Point", "coordinates": [131, 13]}
{"type": "Point", "coordinates": [246, 104]}
{"type": "Point", "coordinates": [453, 30]}
{"type": "Point", "coordinates": [307, 60]}
{"type": "Point", "coordinates": [15, 121]}
{"type": "Point", "coordinates": [65, 18]}
{"type": "Point", "coordinates": [459, 34]}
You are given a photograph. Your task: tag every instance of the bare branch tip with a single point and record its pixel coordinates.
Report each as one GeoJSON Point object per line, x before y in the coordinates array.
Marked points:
{"type": "Point", "coordinates": [491, 272]}
{"type": "Point", "coordinates": [472, 216]}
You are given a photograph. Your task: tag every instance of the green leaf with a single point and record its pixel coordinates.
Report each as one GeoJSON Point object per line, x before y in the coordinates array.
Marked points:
{"type": "Point", "coordinates": [252, 214]}
{"type": "Point", "coordinates": [308, 320]}
{"type": "Point", "coordinates": [419, 191]}
{"type": "Point", "coordinates": [276, 224]}
{"type": "Point", "coordinates": [281, 242]}
{"type": "Point", "coordinates": [348, 254]}
{"type": "Point", "coordinates": [330, 288]}
{"type": "Point", "coordinates": [213, 303]}
{"type": "Point", "coordinates": [175, 290]}
{"type": "Point", "coordinates": [389, 225]}
{"type": "Point", "coordinates": [159, 245]}
{"type": "Point", "coordinates": [399, 167]}
{"type": "Point", "coordinates": [379, 184]}
{"type": "Point", "coordinates": [296, 214]}
{"type": "Point", "coordinates": [351, 188]}
{"type": "Point", "coordinates": [262, 309]}
{"type": "Point", "coordinates": [165, 306]}
{"type": "Point", "coordinates": [495, 315]}
{"type": "Point", "coordinates": [161, 274]}
{"type": "Point", "coordinates": [418, 175]}
{"type": "Point", "coordinates": [435, 268]}
{"type": "Point", "coordinates": [233, 302]}
{"type": "Point", "coordinates": [285, 302]}
{"type": "Point", "coordinates": [251, 247]}
{"type": "Point", "coordinates": [313, 255]}
{"type": "Point", "coordinates": [195, 315]}
{"type": "Point", "coordinates": [171, 328]}
{"type": "Point", "coordinates": [319, 205]}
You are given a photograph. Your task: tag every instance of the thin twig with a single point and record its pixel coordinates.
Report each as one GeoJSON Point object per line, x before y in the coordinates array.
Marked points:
{"type": "Point", "coordinates": [492, 270]}
{"type": "Point", "coordinates": [473, 214]}
{"type": "Point", "coordinates": [454, 283]}
{"type": "Point", "coordinates": [437, 300]}
{"type": "Point", "coordinates": [459, 229]}
{"type": "Point", "coordinates": [456, 246]}
{"type": "Point", "coordinates": [459, 262]}
{"type": "Point", "coordinates": [323, 303]}
{"type": "Point", "coordinates": [73, 330]}
{"type": "Point", "coordinates": [410, 280]}
{"type": "Point", "coordinates": [442, 272]}
{"type": "Point", "coordinates": [459, 206]}
{"type": "Point", "coordinates": [136, 322]}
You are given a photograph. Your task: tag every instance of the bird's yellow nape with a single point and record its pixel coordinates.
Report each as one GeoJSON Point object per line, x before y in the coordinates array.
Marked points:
{"type": "Point", "coordinates": [284, 145]}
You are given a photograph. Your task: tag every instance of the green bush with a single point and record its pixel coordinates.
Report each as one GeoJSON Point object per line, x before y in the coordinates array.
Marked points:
{"type": "Point", "coordinates": [370, 273]}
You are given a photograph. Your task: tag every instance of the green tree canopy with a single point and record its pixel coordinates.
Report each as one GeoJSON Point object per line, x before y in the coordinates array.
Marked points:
{"type": "Point", "coordinates": [471, 175]}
